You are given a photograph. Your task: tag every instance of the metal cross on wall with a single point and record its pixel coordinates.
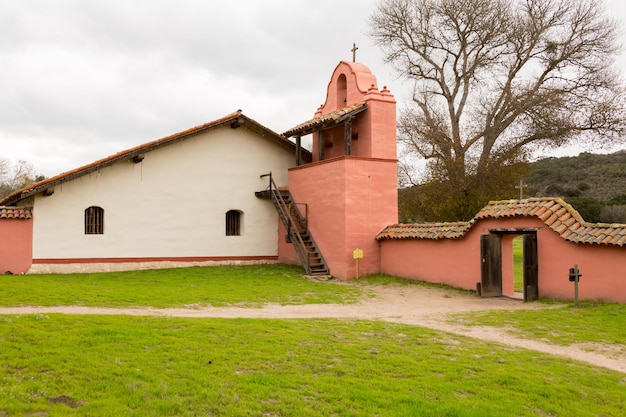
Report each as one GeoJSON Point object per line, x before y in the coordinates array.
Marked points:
{"type": "Point", "coordinates": [354, 48]}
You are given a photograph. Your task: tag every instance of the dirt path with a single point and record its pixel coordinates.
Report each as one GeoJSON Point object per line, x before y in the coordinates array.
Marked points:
{"type": "Point", "coordinates": [413, 305]}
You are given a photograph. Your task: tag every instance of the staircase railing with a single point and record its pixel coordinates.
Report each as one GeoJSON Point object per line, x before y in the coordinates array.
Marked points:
{"type": "Point", "coordinates": [294, 221]}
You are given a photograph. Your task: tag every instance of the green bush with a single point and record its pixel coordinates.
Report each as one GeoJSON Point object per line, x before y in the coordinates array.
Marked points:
{"type": "Point", "coordinates": [555, 190]}
{"type": "Point", "coordinates": [619, 199]}
{"type": "Point", "coordinates": [589, 208]}
{"type": "Point", "coordinates": [613, 214]}
{"type": "Point", "coordinates": [572, 192]}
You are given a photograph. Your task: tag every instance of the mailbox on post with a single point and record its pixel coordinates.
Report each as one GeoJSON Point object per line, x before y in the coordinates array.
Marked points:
{"type": "Point", "coordinates": [574, 276]}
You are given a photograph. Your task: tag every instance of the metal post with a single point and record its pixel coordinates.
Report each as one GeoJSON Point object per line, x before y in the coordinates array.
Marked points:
{"type": "Point", "coordinates": [576, 275]}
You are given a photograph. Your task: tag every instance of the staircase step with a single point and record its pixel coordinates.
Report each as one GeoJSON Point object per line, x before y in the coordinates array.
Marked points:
{"type": "Point", "coordinates": [293, 220]}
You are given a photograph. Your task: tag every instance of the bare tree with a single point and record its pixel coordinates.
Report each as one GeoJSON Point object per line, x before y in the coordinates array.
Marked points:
{"type": "Point", "coordinates": [15, 176]}
{"type": "Point", "coordinates": [496, 79]}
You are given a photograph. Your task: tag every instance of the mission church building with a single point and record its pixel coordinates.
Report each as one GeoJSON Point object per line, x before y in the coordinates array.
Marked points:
{"type": "Point", "coordinates": [233, 191]}
{"type": "Point", "coordinates": [185, 198]}
{"type": "Point", "coordinates": [202, 196]}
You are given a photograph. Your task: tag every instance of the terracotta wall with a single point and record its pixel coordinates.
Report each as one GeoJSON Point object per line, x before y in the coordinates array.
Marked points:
{"type": "Point", "coordinates": [451, 262]}
{"type": "Point", "coordinates": [603, 268]}
{"type": "Point", "coordinates": [348, 200]}
{"type": "Point", "coordinates": [457, 262]}
{"type": "Point", "coordinates": [16, 248]}
{"type": "Point", "coordinates": [286, 252]}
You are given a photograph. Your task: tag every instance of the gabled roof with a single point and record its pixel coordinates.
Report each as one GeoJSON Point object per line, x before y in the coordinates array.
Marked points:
{"type": "Point", "coordinates": [553, 212]}
{"type": "Point", "coordinates": [326, 121]}
{"type": "Point", "coordinates": [234, 120]}
{"type": "Point", "coordinates": [22, 213]}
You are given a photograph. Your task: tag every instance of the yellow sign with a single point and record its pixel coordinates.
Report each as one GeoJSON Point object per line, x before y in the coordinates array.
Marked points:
{"type": "Point", "coordinates": [357, 253]}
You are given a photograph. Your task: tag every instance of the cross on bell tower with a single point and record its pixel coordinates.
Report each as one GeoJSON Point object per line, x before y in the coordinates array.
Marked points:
{"type": "Point", "coordinates": [354, 153]}
{"type": "Point", "coordinates": [354, 49]}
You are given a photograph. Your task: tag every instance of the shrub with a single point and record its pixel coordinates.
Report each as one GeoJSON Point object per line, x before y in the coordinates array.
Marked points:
{"type": "Point", "coordinates": [583, 186]}
{"type": "Point", "coordinates": [555, 190]}
{"type": "Point", "coordinates": [613, 214]}
{"type": "Point", "coordinates": [589, 208]}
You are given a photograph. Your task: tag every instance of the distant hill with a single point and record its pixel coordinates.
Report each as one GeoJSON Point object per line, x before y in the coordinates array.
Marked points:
{"type": "Point", "coordinates": [594, 184]}
{"type": "Point", "coordinates": [602, 177]}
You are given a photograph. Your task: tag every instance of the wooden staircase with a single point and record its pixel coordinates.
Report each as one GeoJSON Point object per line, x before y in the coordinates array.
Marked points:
{"type": "Point", "coordinates": [297, 228]}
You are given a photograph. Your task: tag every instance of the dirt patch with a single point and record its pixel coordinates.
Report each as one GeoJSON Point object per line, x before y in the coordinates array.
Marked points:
{"type": "Point", "coordinates": [64, 399]}
{"type": "Point", "coordinates": [413, 305]}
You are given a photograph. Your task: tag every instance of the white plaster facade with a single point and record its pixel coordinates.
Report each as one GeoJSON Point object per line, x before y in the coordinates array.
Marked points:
{"type": "Point", "coordinates": [171, 206]}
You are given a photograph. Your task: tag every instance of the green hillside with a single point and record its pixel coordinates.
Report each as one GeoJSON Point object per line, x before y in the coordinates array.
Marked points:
{"type": "Point", "coordinates": [602, 177]}
{"type": "Point", "coordinates": [594, 184]}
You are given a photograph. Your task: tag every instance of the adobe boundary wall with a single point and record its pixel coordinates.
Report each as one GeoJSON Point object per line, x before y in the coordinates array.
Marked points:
{"type": "Point", "coordinates": [16, 244]}
{"type": "Point", "coordinates": [457, 262]}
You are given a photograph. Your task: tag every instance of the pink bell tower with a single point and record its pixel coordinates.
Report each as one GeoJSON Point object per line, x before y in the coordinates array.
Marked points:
{"type": "Point", "coordinates": [350, 187]}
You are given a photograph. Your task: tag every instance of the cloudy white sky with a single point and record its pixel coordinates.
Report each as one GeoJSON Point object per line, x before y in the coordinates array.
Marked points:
{"type": "Point", "coordinates": [82, 79]}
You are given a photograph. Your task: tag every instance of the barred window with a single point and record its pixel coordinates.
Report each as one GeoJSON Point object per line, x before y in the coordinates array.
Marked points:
{"type": "Point", "coordinates": [233, 223]}
{"type": "Point", "coordinates": [94, 220]}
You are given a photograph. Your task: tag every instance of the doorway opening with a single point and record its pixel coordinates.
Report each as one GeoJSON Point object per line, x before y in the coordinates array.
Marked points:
{"type": "Point", "coordinates": [518, 267]}
{"type": "Point", "coordinates": [509, 264]}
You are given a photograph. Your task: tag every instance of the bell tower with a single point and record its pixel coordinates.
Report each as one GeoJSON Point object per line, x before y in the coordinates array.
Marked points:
{"type": "Point", "coordinates": [350, 187]}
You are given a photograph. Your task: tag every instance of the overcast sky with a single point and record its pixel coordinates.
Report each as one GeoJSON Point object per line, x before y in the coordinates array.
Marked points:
{"type": "Point", "coordinates": [83, 79]}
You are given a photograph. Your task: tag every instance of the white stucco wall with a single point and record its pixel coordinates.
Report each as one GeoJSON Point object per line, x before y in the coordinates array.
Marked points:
{"type": "Point", "coordinates": [172, 204]}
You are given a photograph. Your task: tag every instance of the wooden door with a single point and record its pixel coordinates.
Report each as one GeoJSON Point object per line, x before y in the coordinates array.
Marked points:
{"type": "Point", "coordinates": [491, 265]}
{"type": "Point", "coordinates": [531, 268]}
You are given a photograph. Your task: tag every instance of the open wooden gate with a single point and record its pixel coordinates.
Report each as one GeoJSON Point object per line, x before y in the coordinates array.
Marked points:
{"type": "Point", "coordinates": [531, 268]}
{"type": "Point", "coordinates": [491, 265]}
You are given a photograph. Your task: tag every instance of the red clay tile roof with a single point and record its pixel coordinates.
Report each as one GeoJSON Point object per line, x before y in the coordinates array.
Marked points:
{"type": "Point", "coordinates": [425, 231]}
{"type": "Point", "coordinates": [22, 213]}
{"type": "Point", "coordinates": [326, 120]}
{"type": "Point", "coordinates": [235, 119]}
{"type": "Point", "coordinates": [554, 212]}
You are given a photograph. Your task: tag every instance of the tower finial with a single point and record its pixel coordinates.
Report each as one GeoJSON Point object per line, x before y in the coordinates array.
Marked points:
{"type": "Point", "coordinates": [354, 48]}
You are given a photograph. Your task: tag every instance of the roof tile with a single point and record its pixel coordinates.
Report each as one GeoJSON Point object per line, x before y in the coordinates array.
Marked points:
{"type": "Point", "coordinates": [234, 119]}
{"type": "Point", "coordinates": [569, 220]}
{"type": "Point", "coordinates": [21, 213]}
{"type": "Point", "coordinates": [552, 220]}
{"type": "Point", "coordinates": [545, 215]}
{"type": "Point", "coordinates": [325, 120]}
{"type": "Point", "coordinates": [554, 212]}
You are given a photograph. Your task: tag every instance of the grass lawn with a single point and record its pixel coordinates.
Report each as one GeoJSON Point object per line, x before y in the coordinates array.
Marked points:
{"type": "Point", "coordinates": [55, 365]}
{"type": "Point", "coordinates": [591, 322]}
{"type": "Point", "coordinates": [178, 287]}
